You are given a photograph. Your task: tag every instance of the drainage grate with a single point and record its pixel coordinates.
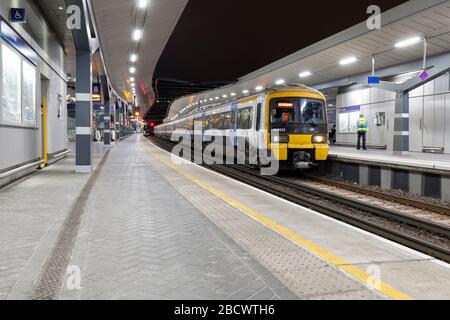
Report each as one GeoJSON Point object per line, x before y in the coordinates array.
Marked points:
{"type": "Point", "coordinates": [50, 280]}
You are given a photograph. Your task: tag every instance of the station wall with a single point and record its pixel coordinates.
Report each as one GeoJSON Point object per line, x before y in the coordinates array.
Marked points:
{"type": "Point", "coordinates": [21, 134]}
{"type": "Point", "coordinates": [370, 102]}
{"type": "Point", "coordinates": [429, 116]}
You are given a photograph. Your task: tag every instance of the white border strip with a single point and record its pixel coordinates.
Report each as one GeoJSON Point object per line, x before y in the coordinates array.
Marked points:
{"type": "Point", "coordinates": [83, 131]}
{"type": "Point", "coordinates": [83, 169]}
{"type": "Point", "coordinates": [83, 97]}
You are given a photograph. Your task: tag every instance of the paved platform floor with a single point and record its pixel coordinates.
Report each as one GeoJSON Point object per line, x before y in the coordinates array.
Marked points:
{"type": "Point", "coordinates": [412, 159]}
{"type": "Point", "coordinates": [152, 229]}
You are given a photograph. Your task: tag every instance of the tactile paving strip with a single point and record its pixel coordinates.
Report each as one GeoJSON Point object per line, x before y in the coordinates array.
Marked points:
{"type": "Point", "coordinates": [49, 285]}
{"type": "Point", "coordinates": [307, 275]}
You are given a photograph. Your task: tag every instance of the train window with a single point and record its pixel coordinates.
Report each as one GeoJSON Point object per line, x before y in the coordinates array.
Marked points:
{"type": "Point", "coordinates": [245, 118]}
{"type": "Point", "coordinates": [289, 112]}
{"type": "Point", "coordinates": [226, 121]}
{"type": "Point", "coordinates": [312, 112]}
{"type": "Point", "coordinates": [205, 123]}
{"type": "Point", "coordinates": [233, 119]}
{"type": "Point", "coordinates": [258, 117]}
{"type": "Point", "coordinates": [283, 112]}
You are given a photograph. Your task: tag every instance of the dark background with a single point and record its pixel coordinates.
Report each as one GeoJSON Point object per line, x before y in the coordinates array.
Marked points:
{"type": "Point", "coordinates": [218, 41]}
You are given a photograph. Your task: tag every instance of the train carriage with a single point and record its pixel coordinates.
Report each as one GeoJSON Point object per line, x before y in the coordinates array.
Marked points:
{"type": "Point", "coordinates": [289, 122]}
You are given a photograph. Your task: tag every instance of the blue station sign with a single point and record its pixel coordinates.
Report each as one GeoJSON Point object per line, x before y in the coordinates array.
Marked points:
{"type": "Point", "coordinates": [374, 80]}
{"type": "Point", "coordinates": [17, 15]}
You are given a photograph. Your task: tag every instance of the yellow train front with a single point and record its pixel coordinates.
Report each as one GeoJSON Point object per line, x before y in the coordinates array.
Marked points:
{"type": "Point", "coordinates": [297, 127]}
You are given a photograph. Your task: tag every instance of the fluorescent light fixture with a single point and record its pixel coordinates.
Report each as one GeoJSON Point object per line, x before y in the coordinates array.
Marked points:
{"type": "Point", "coordinates": [137, 34]}
{"type": "Point", "coordinates": [133, 57]}
{"type": "Point", "coordinates": [259, 88]}
{"type": "Point", "coordinates": [217, 98]}
{"type": "Point", "coordinates": [132, 70]}
{"type": "Point", "coordinates": [346, 61]}
{"type": "Point", "coordinates": [279, 82]}
{"type": "Point", "coordinates": [224, 96]}
{"type": "Point", "coordinates": [305, 74]}
{"type": "Point", "coordinates": [232, 94]}
{"type": "Point", "coordinates": [245, 91]}
{"type": "Point", "coordinates": [408, 42]}
{"type": "Point", "coordinates": [142, 4]}
{"type": "Point", "coordinates": [211, 99]}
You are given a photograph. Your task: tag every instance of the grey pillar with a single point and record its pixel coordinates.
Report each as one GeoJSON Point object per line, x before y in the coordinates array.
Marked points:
{"type": "Point", "coordinates": [107, 112]}
{"type": "Point", "coordinates": [117, 119]}
{"type": "Point", "coordinates": [401, 123]}
{"type": "Point", "coordinates": [83, 113]}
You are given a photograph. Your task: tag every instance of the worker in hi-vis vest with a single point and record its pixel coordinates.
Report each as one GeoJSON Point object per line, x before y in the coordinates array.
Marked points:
{"type": "Point", "coordinates": [362, 129]}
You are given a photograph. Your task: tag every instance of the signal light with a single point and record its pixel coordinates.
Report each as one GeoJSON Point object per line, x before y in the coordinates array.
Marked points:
{"type": "Point", "coordinates": [152, 124]}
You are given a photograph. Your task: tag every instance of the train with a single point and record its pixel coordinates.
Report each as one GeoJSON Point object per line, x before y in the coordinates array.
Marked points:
{"type": "Point", "coordinates": [288, 122]}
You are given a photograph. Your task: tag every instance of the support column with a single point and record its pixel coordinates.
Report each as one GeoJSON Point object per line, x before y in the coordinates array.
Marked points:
{"type": "Point", "coordinates": [401, 123]}
{"type": "Point", "coordinates": [83, 113]}
{"type": "Point", "coordinates": [117, 119]}
{"type": "Point", "coordinates": [107, 111]}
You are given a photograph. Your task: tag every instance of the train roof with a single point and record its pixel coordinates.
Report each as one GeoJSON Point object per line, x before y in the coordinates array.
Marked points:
{"type": "Point", "coordinates": [208, 100]}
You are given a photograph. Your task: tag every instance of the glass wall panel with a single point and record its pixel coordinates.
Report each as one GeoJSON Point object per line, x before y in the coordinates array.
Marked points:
{"type": "Point", "coordinates": [11, 106]}
{"type": "Point", "coordinates": [29, 95]}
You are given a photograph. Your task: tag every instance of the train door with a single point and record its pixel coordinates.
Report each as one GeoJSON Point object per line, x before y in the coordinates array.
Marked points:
{"type": "Point", "coordinates": [260, 123]}
{"type": "Point", "coordinates": [233, 126]}
{"type": "Point", "coordinates": [44, 118]}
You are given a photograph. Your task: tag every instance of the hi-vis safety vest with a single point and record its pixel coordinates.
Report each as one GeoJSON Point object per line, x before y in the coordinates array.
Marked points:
{"type": "Point", "coordinates": [362, 126]}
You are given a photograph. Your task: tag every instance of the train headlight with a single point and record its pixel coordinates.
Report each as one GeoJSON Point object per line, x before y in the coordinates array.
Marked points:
{"type": "Point", "coordinates": [320, 139]}
{"type": "Point", "coordinates": [280, 139]}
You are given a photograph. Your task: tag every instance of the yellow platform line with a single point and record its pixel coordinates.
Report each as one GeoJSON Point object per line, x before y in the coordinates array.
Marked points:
{"type": "Point", "coordinates": [334, 260]}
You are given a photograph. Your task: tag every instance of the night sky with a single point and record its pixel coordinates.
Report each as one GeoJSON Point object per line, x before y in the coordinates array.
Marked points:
{"type": "Point", "coordinates": [221, 40]}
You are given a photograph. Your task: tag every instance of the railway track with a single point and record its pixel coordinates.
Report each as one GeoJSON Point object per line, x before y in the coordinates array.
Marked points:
{"type": "Point", "coordinates": [415, 203]}
{"type": "Point", "coordinates": [429, 236]}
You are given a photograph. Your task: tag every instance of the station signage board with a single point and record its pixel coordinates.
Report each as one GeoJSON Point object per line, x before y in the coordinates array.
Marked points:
{"type": "Point", "coordinates": [13, 39]}
{"type": "Point", "coordinates": [374, 80]}
{"type": "Point", "coordinates": [96, 92]}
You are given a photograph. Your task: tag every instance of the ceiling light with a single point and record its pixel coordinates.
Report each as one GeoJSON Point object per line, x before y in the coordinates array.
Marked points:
{"type": "Point", "coordinates": [259, 88]}
{"type": "Point", "coordinates": [137, 34]}
{"type": "Point", "coordinates": [245, 91]}
{"type": "Point", "coordinates": [408, 42]}
{"type": "Point", "coordinates": [217, 98]}
{"type": "Point", "coordinates": [225, 96]}
{"type": "Point", "coordinates": [133, 57]}
{"type": "Point", "coordinates": [304, 74]}
{"type": "Point", "coordinates": [348, 61]}
{"type": "Point", "coordinates": [133, 85]}
{"type": "Point", "coordinates": [132, 70]}
{"type": "Point", "coordinates": [211, 99]}
{"type": "Point", "coordinates": [142, 4]}
{"type": "Point", "coordinates": [232, 94]}
{"type": "Point", "coordinates": [279, 82]}
{"type": "Point", "coordinates": [61, 8]}
{"type": "Point", "coordinates": [132, 79]}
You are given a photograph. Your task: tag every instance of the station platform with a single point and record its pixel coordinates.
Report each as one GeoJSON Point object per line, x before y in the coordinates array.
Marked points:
{"type": "Point", "coordinates": [424, 174]}
{"type": "Point", "coordinates": [412, 160]}
{"type": "Point", "coordinates": [145, 227]}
